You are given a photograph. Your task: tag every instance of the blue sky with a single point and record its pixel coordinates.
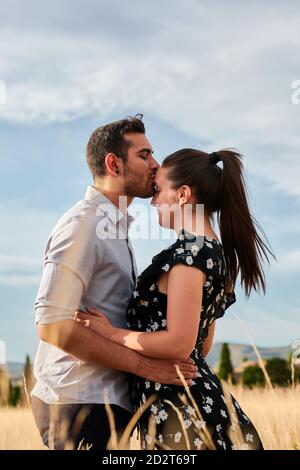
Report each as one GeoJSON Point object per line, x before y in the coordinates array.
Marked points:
{"type": "Point", "coordinates": [204, 75]}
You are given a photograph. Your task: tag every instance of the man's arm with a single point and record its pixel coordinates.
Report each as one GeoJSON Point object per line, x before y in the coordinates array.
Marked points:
{"type": "Point", "coordinates": [183, 316]}
{"type": "Point", "coordinates": [88, 346]}
{"type": "Point", "coordinates": [70, 262]}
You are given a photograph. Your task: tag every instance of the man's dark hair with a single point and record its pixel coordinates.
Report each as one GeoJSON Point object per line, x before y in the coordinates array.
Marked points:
{"type": "Point", "coordinates": [110, 139]}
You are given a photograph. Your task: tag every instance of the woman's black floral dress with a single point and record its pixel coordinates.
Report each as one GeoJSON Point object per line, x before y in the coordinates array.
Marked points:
{"type": "Point", "coordinates": [147, 312]}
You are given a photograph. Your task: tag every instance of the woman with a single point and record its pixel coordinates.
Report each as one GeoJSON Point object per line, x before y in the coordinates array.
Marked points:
{"type": "Point", "coordinates": [186, 288]}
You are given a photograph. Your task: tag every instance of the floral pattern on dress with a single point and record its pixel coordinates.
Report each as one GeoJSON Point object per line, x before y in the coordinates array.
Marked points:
{"type": "Point", "coordinates": [147, 311]}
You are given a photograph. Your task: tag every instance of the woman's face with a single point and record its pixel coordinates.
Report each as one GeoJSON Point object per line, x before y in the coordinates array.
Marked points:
{"type": "Point", "coordinates": [166, 200]}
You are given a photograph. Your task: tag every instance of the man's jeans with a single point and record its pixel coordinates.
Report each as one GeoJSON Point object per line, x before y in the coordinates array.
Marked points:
{"type": "Point", "coordinates": [74, 426]}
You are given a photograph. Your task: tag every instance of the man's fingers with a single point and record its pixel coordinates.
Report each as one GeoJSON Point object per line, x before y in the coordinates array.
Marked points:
{"type": "Point", "coordinates": [187, 367]}
{"type": "Point", "coordinates": [189, 374]}
{"type": "Point", "coordinates": [178, 382]}
{"type": "Point", "coordinates": [189, 360]}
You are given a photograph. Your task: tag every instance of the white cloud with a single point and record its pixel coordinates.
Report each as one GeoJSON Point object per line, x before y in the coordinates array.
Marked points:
{"type": "Point", "coordinates": [20, 263]}
{"type": "Point", "coordinates": [288, 262]}
{"type": "Point", "coordinates": [220, 73]}
{"type": "Point", "coordinates": [19, 280]}
{"type": "Point", "coordinates": [263, 325]}
{"type": "Point", "coordinates": [214, 72]}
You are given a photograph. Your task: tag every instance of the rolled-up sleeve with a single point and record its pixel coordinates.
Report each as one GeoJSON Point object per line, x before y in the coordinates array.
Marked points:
{"type": "Point", "coordinates": [70, 261]}
{"type": "Point", "coordinates": [59, 294]}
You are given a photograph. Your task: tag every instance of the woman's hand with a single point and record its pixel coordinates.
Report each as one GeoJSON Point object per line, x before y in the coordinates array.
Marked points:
{"type": "Point", "coordinates": [96, 321]}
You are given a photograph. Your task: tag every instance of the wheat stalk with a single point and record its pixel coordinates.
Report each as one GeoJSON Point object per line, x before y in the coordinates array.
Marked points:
{"type": "Point", "coordinates": [258, 355]}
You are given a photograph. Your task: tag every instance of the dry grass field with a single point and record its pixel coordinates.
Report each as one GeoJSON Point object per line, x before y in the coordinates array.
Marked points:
{"type": "Point", "coordinates": [276, 415]}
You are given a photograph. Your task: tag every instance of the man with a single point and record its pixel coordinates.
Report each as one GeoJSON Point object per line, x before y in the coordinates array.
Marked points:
{"type": "Point", "coordinates": [74, 366]}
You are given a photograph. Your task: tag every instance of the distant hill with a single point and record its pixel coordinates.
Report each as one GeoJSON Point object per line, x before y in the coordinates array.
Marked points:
{"type": "Point", "coordinates": [14, 369]}
{"type": "Point", "coordinates": [238, 352]}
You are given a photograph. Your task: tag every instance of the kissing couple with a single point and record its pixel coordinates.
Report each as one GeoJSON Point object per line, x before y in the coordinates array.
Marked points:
{"type": "Point", "coordinates": [140, 342]}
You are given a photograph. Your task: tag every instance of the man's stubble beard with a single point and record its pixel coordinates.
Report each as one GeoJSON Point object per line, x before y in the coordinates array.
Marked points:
{"type": "Point", "coordinates": [133, 187]}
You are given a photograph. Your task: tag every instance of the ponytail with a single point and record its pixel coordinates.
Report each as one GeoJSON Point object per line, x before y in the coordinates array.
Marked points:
{"type": "Point", "coordinates": [244, 248]}
{"type": "Point", "coordinates": [223, 191]}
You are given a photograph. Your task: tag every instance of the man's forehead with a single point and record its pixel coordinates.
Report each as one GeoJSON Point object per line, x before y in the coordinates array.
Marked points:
{"type": "Point", "coordinates": [137, 139]}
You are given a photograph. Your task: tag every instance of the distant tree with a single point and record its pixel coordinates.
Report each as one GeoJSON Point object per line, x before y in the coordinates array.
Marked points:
{"type": "Point", "coordinates": [28, 373]}
{"type": "Point", "coordinates": [15, 395]}
{"type": "Point", "coordinates": [253, 376]}
{"type": "Point", "coordinates": [245, 359]}
{"type": "Point", "coordinates": [277, 368]}
{"type": "Point", "coordinates": [279, 371]}
{"type": "Point", "coordinates": [225, 368]}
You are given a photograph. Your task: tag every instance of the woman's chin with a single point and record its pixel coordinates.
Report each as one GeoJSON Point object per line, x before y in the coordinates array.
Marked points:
{"type": "Point", "coordinates": [163, 224]}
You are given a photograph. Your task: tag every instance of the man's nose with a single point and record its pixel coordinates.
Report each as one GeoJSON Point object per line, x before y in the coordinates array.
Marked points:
{"type": "Point", "coordinates": [154, 164]}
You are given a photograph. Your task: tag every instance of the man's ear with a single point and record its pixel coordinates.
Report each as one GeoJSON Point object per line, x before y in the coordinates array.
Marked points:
{"type": "Point", "coordinates": [113, 164]}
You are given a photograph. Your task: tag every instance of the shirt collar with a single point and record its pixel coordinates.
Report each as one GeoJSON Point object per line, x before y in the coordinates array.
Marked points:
{"type": "Point", "coordinates": [114, 214]}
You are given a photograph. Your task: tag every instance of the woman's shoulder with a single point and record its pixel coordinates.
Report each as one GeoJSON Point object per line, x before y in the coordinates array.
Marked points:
{"type": "Point", "coordinates": [199, 251]}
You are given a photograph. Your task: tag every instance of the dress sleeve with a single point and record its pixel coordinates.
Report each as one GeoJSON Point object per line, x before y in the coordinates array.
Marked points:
{"type": "Point", "coordinates": [199, 255]}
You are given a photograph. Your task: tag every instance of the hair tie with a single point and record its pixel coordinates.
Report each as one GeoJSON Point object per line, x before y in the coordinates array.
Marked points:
{"type": "Point", "coordinates": [214, 158]}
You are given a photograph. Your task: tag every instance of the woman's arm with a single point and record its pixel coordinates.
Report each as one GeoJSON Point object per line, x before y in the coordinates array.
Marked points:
{"type": "Point", "coordinates": [183, 316]}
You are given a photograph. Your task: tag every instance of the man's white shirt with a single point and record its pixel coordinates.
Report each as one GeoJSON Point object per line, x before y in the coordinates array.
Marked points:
{"type": "Point", "coordinates": [82, 270]}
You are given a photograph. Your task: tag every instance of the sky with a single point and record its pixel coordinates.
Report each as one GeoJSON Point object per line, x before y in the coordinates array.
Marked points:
{"type": "Point", "coordinates": [204, 74]}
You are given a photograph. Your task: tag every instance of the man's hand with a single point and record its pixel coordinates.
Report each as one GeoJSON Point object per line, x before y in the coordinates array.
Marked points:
{"type": "Point", "coordinates": [164, 371]}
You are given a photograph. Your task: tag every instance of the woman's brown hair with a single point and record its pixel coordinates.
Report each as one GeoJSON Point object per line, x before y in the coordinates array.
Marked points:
{"type": "Point", "coordinates": [223, 191]}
